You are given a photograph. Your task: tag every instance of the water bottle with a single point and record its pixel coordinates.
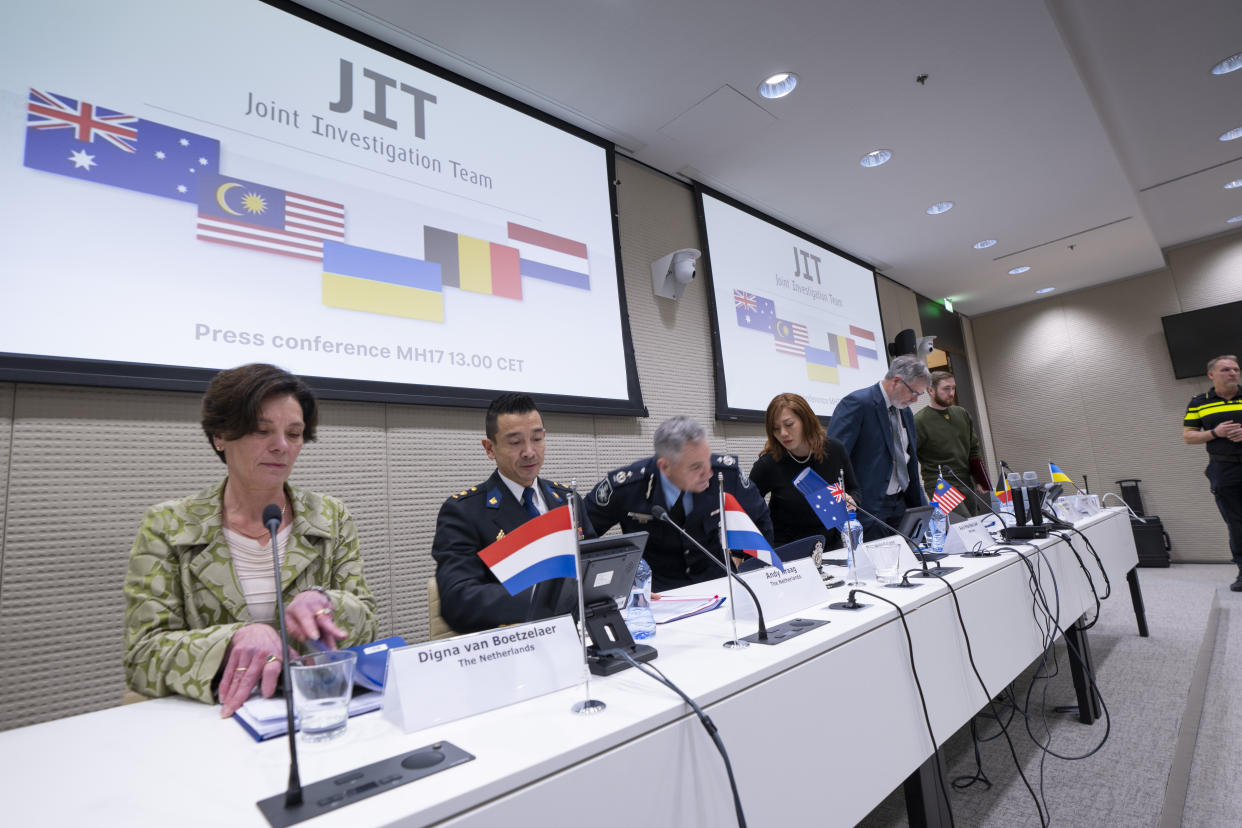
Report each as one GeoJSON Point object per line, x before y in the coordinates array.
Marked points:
{"type": "Point", "coordinates": [852, 538]}
{"type": "Point", "coordinates": [939, 530]}
{"type": "Point", "coordinates": [638, 616]}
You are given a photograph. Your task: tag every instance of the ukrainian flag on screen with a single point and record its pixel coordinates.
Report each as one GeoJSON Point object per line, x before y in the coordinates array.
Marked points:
{"type": "Point", "coordinates": [357, 278]}
{"type": "Point", "coordinates": [821, 365]}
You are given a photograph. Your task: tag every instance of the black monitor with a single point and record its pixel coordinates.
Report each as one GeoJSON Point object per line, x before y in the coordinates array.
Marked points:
{"type": "Point", "coordinates": [913, 524]}
{"type": "Point", "coordinates": [608, 567]}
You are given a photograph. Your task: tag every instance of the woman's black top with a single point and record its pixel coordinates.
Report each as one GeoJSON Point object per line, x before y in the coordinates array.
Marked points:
{"type": "Point", "coordinates": [792, 517]}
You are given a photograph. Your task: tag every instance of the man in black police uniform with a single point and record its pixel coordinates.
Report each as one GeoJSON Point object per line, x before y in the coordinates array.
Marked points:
{"type": "Point", "coordinates": [471, 598]}
{"type": "Point", "coordinates": [681, 477]}
{"type": "Point", "coordinates": [1213, 419]}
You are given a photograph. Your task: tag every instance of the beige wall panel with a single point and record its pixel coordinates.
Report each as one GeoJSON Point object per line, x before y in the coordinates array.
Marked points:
{"type": "Point", "coordinates": [1207, 274]}
{"type": "Point", "coordinates": [85, 464]}
{"type": "Point", "coordinates": [899, 310]}
{"type": "Point", "coordinates": [7, 394]}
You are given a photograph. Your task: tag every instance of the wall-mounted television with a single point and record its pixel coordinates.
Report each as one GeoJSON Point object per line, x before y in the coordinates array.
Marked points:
{"type": "Point", "coordinates": [1197, 336]}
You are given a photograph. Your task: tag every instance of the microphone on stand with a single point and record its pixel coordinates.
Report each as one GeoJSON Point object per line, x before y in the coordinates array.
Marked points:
{"type": "Point", "coordinates": [293, 794]}
{"type": "Point", "coordinates": [660, 513]}
{"type": "Point", "coordinates": [987, 505]}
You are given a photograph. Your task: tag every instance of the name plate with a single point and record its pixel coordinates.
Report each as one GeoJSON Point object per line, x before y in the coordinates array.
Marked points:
{"type": "Point", "coordinates": [440, 681]}
{"type": "Point", "coordinates": [969, 535]}
{"type": "Point", "coordinates": [781, 593]}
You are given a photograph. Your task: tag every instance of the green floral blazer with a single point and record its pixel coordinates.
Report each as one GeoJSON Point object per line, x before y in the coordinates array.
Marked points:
{"type": "Point", "coordinates": [183, 600]}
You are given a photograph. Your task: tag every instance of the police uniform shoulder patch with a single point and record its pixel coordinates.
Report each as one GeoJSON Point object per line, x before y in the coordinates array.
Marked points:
{"type": "Point", "coordinates": [603, 492]}
{"type": "Point", "coordinates": [621, 476]}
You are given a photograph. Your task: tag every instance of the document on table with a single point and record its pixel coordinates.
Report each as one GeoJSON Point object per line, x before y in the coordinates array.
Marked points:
{"type": "Point", "coordinates": [668, 608]}
{"type": "Point", "coordinates": [265, 718]}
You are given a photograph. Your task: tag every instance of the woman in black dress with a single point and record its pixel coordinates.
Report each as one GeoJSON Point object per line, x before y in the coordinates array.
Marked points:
{"type": "Point", "coordinates": [797, 440]}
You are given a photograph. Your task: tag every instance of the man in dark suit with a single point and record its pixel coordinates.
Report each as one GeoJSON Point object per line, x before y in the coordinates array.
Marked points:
{"type": "Point", "coordinates": [471, 598]}
{"type": "Point", "coordinates": [681, 478]}
{"type": "Point", "coordinates": [877, 429]}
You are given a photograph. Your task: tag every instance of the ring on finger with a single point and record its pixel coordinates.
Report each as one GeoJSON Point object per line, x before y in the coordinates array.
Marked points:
{"type": "Point", "coordinates": [322, 611]}
{"type": "Point", "coordinates": [241, 669]}
{"type": "Point", "coordinates": [272, 658]}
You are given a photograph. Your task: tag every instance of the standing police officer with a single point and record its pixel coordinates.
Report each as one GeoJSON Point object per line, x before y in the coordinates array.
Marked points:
{"type": "Point", "coordinates": [1214, 419]}
{"type": "Point", "coordinates": [681, 478]}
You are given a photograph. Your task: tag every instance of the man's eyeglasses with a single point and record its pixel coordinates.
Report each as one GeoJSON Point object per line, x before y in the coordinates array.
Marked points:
{"type": "Point", "coordinates": [916, 394]}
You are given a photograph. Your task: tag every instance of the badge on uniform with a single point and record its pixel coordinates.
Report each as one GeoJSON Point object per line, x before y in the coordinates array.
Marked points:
{"type": "Point", "coordinates": [500, 534]}
{"type": "Point", "coordinates": [603, 492]}
{"type": "Point", "coordinates": [621, 476]}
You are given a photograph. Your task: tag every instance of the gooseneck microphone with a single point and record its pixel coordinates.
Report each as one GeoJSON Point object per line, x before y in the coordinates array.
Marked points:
{"type": "Point", "coordinates": [293, 794]}
{"type": "Point", "coordinates": [660, 513]}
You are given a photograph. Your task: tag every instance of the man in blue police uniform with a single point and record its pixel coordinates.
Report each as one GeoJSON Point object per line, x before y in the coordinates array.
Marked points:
{"type": "Point", "coordinates": [471, 598]}
{"type": "Point", "coordinates": [1214, 419]}
{"type": "Point", "coordinates": [681, 478]}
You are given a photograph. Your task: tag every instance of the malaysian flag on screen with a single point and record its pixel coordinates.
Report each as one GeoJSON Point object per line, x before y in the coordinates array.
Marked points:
{"type": "Point", "coordinates": [790, 337]}
{"type": "Point", "coordinates": [268, 219]}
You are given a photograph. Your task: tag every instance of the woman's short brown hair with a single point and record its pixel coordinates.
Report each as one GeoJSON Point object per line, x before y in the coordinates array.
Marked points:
{"type": "Point", "coordinates": [233, 400]}
{"type": "Point", "coordinates": [812, 428]}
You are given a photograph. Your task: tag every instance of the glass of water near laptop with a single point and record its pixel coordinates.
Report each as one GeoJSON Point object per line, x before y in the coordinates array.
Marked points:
{"type": "Point", "coordinates": [322, 685]}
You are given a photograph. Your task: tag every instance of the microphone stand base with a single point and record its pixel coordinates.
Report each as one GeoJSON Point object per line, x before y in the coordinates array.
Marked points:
{"type": "Point", "coordinates": [902, 585]}
{"type": "Point", "coordinates": [936, 571]}
{"type": "Point", "coordinates": [588, 707]}
{"type": "Point", "coordinates": [981, 554]}
{"type": "Point", "coordinates": [784, 632]}
{"type": "Point", "coordinates": [735, 644]}
{"type": "Point", "coordinates": [360, 783]}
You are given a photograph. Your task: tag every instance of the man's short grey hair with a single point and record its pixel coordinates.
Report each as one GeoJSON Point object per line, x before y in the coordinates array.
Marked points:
{"type": "Point", "coordinates": [673, 434]}
{"type": "Point", "coordinates": [1212, 362]}
{"type": "Point", "coordinates": [909, 368]}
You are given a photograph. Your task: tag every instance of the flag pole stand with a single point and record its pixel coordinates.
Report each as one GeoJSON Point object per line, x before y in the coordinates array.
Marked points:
{"type": "Point", "coordinates": [735, 643]}
{"type": "Point", "coordinates": [588, 706]}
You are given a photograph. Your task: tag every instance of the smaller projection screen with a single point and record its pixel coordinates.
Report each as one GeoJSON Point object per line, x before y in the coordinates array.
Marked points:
{"type": "Point", "coordinates": [790, 314]}
{"type": "Point", "coordinates": [194, 186]}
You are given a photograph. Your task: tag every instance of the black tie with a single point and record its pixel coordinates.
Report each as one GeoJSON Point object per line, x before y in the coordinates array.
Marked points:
{"type": "Point", "coordinates": [528, 500]}
{"type": "Point", "coordinates": [678, 512]}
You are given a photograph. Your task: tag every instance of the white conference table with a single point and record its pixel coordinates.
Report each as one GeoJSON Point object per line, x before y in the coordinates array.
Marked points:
{"type": "Point", "coordinates": [821, 727]}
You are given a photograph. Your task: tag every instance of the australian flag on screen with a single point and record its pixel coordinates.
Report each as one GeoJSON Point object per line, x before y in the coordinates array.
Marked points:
{"type": "Point", "coordinates": [81, 140]}
{"type": "Point", "coordinates": [754, 311]}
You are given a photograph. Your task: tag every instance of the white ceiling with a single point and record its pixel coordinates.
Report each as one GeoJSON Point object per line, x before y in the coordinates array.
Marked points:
{"type": "Point", "coordinates": [1081, 134]}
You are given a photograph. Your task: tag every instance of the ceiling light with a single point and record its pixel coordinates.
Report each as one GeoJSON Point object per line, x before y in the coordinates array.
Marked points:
{"type": "Point", "coordinates": [986, 243]}
{"type": "Point", "coordinates": [1018, 270]}
{"type": "Point", "coordinates": [939, 207]}
{"type": "Point", "coordinates": [1235, 184]}
{"type": "Point", "coordinates": [1045, 290]}
{"type": "Point", "coordinates": [876, 157]}
{"type": "Point", "coordinates": [1233, 220]}
{"type": "Point", "coordinates": [779, 85]}
{"type": "Point", "coordinates": [1236, 132]}
{"type": "Point", "coordinates": [1230, 64]}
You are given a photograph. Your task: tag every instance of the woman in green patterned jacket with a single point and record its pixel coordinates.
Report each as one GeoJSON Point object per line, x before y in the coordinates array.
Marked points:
{"type": "Point", "coordinates": [200, 592]}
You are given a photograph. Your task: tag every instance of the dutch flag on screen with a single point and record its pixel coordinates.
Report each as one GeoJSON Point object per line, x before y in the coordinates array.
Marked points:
{"type": "Point", "coordinates": [539, 550]}
{"type": "Point", "coordinates": [743, 536]}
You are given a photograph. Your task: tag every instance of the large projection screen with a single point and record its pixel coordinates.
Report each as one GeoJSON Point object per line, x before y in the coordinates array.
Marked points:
{"type": "Point", "coordinates": [789, 313]}
{"type": "Point", "coordinates": [193, 186]}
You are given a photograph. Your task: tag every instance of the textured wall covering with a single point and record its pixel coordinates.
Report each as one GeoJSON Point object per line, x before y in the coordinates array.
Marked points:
{"type": "Point", "coordinates": [1085, 380]}
{"type": "Point", "coordinates": [79, 465]}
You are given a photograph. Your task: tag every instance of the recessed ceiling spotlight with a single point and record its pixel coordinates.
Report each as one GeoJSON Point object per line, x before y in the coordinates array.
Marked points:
{"type": "Point", "coordinates": [1235, 184]}
{"type": "Point", "coordinates": [985, 244]}
{"type": "Point", "coordinates": [1018, 270]}
{"type": "Point", "coordinates": [1230, 64]}
{"type": "Point", "coordinates": [1232, 134]}
{"type": "Point", "coordinates": [939, 207]}
{"type": "Point", "coordinates": [1233, 220]}
{"type": "Point", "coordinates": [779, 85]}
{"type": "Point", "coordinates": [1046, 290]}
{"type": "Point", "coordinates": [876, 157]}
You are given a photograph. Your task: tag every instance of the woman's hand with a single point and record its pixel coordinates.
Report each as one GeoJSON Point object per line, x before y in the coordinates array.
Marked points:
{"type": "Point", "coordinates": [254, 658]}
{"type": "Point", "coordinates": [308, 617]}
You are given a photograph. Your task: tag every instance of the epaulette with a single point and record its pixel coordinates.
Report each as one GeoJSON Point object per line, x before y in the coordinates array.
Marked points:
{"type": "Point", "coordinates": [729, 461]}
{"type": "Point", "coordinates": [473, 490]}
{"type": "Point", "coordinates": [627, 476]}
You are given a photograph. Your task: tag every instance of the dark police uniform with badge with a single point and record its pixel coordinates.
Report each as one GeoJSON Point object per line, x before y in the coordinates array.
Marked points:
{"type": "Point", "coordinates": [471, 598]}
{"type": "Point", "coordinates": [674, 561]}
{"type": "Point", "coordinates": [1224, 469]}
